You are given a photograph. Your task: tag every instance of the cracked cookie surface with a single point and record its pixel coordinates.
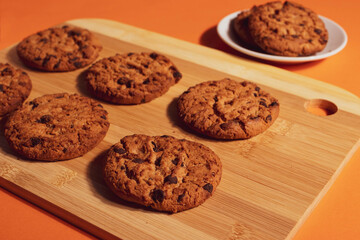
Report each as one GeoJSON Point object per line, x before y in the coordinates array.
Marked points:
{"type": "Point", "coordinates": [162, 172]}
{"type": "Point", "coordinates": [56, 127]}
{"type": "Point", "coordinates": [132, 78]}
{"type": "Point", "coordinates": [15, 87]}
{"type": "Point", "coordinates": [227, 109]}
{"type": "Point", "coordinates": [287, 29]}
{"type": "Point", "coordinates": [60, 49]}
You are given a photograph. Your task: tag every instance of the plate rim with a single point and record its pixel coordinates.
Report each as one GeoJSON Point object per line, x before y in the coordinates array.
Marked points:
{"type": "Point", "coordinates": [224, 26]}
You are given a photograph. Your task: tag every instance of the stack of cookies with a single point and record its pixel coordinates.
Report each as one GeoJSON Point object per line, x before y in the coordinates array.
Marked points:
{"type": "Point", "coordinates": [281, 28]}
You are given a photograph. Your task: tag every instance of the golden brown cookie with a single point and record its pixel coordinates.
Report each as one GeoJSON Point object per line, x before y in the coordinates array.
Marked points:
{"type": "Point", "coordinates": [241, 28]}
{"type": "Point", "coordinates": [162, 172]}
{"type": "Point", "coordinates": [60, 49]}
{"type": "Point", "coordinates": [132, 78]}
{"type": "Point", "coordinates": [227, 109]}
{"type": "Point", "coordinates": [15, 87]}
{"type": "Point", "coordinates": [56, 127]}
{"type": "Point", "coordinates": [287, 29]}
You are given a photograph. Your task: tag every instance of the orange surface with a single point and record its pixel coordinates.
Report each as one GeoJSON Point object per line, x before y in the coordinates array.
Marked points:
{"type": "Point", "coordinates": [338, 214]}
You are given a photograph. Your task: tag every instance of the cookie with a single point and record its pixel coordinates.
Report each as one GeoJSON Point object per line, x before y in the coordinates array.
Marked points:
{"type": "Point", "coordinates": [56, 127]}
{"type": "Point", "coordinates": [15, 87]}
{"type": "Point", "coordinates": [59, 49]}
{"type": "Point", "coordinates": [287, 29]}
{"type": "Point", "coordinates": [131, 78]}
{"type": "Point", "coordinates": [162, 172]}
{"type": "Point", "coordinates": [227, 109]}
{"type": "Point", "coordinates": [241, 28]}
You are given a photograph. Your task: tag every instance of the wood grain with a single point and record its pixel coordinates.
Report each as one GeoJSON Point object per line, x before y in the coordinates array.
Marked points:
{"type": "Point", "coordinates": [270, 183]}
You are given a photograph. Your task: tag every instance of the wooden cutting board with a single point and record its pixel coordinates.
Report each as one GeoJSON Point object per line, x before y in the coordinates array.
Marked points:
{"type": "Point", "coordinates": [270, 183]}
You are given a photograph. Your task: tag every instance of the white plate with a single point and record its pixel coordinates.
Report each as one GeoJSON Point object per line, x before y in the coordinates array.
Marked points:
{"type": "Point", "coordinates": [337, 41]}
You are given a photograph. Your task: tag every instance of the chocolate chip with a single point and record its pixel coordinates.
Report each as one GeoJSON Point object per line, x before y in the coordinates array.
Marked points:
{"type": "Point", "coordinates": [35, 105]}
{"type": "Point", "coordinates": [45, 61]}
{"type": "Point", "coordinates": [295, 36]}
{"type": "Point", "coordinates": [157, 195]}
{"type": "Point", "coordinates": [263, 103]}
{"type": "Point", "coordinates": [73, 59]}
{"type": "Point", "coordinates": [146, 81]}
{"type": "Point", "coordinates": [318, 31]}
{"type": "Point", "coordinates": [244, 84]}
{"type": "Point", "coordinates": [268, 118]}
{"type": "Point", "coordinates": [175, 161]}
{"type": "Point", "coordinates": [73, 33]}
{"type": "Point", "coordinates": [35, 141]}
{"type": "Point", "coordinates": [177, 74]}
{"type": "Point", "coordinates": [122, 167]}
{"type": "Point", "coordinates": [57, 64]}
{"type": "Point", "coordinates": [216, 99]}
{"type": "Point", "coordinates": [129, 84]}
{"type": "Point", "coordinates": [255, 94]}
{"type": "Point", "coordinates": [277, 11]}
{"type": "Point", "coordinates": [170, 179]}
{"type": "Point", "coordinates": [64, 150]}
{"type": "Point", "coordinates": [153, 55]}
{"type": "Point", "coordinates": [155, 148]}
{"type": "Point", "coordinates": [157, 161]}
{"type": "Point", "coordinates": [208, 187]}
{"type": "Point", "coordinates": [77, 64]}
{"type": "Point", "coordinates": [275, 30]}
{"type": "Point", "coordinates": [130, 53]}
{"type": "Point", "coordinates": [1, 88]}
{"type": "Point", "coordinates": [164, 136]}
{"type": "Point", "coordinates": [122, 80]}
{"type": "Point", "coordinates": [6, 72]}
{"type": "Point", "coordinates": [37, 58]}
{"type": "Point", "coordinates": [44, 119]}
{"type": "Point", "coordinates": [310, 40]}
{"type": "Point", "coordinates": [103, 117]}
{"type": "Point", "coordinates": [274, 104]}
{"type": "Point", "coordinates": [138, 160]}
{"type": "Point", "coordinates": [99, 105]}
{"type": "Point", "coordinates": [180, 197]}
{"type": "Point", "coordinates": [119, 150]}
{"type": "Point", "coordinates": [44, 40]}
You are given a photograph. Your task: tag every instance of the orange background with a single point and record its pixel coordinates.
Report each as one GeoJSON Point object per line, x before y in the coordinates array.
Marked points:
{"type": "Point", "coordinates": [338, 214]}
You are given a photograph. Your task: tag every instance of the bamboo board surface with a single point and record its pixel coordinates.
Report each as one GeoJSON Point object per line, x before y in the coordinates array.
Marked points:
{"type": "Point", "coordinates": [270, 183]}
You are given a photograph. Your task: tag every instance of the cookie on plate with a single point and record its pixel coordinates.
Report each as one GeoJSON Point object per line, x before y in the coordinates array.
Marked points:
{"type": "Point", "coordinates": [287, 29]}
{"type": "Point", "coordinates": [241, 27]}
{"type": "Point", "coordinates": [56, 127]}
{"type": "Point", "coordinates": [227, 109]}
{"type": "Point", "coordinates": [162, 172]}
{"type": "Point", "coordinates": [59, 49]}
{"type": "Point", "coordinates": [132, 78]}
{"type": "Point", "coordinates": [15, 87]}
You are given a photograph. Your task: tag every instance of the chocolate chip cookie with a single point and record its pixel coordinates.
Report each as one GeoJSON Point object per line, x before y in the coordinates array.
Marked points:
{"type": "Point", "coordinates": [227, 109]}
{"type": "Point", "coordinates": [162, 172]}
{"type": "Point", "coordinates": [132, 78]}
{"type": "Point", "coordinates": [241, 28]}
{"type": "Point", "coordinates": [287, 29]}
{"type": "Point", "coordinates": [15, 87]}
{"type": "Point", "coordinates": [56, 127]}
{"type": "Point", "coordinates": [59, 49]}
